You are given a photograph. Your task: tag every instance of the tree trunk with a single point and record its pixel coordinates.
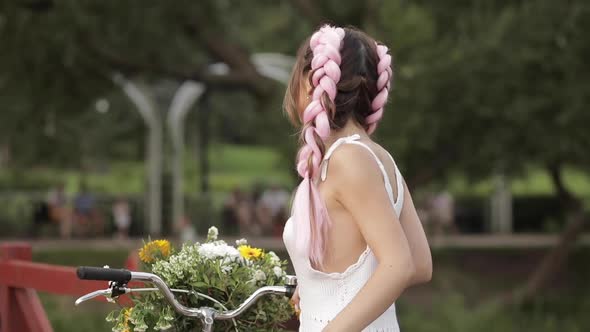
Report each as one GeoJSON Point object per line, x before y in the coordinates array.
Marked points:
{"type": "Point", "coordinates": [557, 257]}
{"type": "Point", "coordinates": [5, 153]}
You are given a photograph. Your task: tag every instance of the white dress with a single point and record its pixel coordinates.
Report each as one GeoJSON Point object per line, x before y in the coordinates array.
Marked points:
{"type": "Point", "coordinates": [324, 295]}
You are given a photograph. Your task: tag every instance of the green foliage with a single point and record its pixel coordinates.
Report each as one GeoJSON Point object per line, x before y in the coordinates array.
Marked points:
{"type": "Point", "coordinates": [491, 95]}
{"type": "Point", "coordinates": [480, 87]}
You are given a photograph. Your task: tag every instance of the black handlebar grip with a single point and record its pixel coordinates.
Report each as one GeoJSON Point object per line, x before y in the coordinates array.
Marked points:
{"type": "Point", "coordinates": [99, 273]}
{"type": "Point", "coordinates": [290, 291]}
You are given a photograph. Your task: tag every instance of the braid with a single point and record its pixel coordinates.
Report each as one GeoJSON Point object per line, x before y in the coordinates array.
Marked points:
{"type": "Point", "coordinates": [325, 66]}
{"type": "Point", "coordinates": [309, 210]}
{"type": "Point", "coordinates": [385, 74]}
{"type": "Point", "coordinates": [356, 95]}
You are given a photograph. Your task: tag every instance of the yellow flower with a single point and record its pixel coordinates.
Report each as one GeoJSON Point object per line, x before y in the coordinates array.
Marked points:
{"type": "Point", "coordinates": [153, 250]}
{"type": "Point", "coordinates": [295, 308]}
{"type": "Point", "coordinates": [250, 253]}
{"type": "Point", "coordinates": [127, 314]}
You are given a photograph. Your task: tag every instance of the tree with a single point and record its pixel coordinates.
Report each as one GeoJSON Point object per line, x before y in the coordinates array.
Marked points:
{"type": "Point", "coordinates": [501, 90]}
{"type": "Point", "coordinates": [64, 54]}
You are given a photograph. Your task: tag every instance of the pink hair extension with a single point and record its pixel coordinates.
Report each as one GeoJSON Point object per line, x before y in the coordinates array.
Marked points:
{"type": "Point", "coordinates": [383, 85]}
{"type": "Point", "coordinates": [309, 211]}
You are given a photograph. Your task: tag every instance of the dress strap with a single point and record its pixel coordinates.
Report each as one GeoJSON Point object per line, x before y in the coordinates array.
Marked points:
{"type": "Point", "coordinates": [340, 141]}
{"type": "Point", "coordinates": [354, 140]}
{"type": "Point", "coordinates": [400, 186]}
{"type": "Point", "coordinates": [333, 147]}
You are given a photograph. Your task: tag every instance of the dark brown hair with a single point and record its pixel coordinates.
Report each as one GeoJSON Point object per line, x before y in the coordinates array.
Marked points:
{"type": "Point", "coordinates": [357, 86]}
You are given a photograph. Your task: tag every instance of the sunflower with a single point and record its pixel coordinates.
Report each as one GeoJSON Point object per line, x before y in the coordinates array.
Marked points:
{"type": "Point", "coordinates": [154, 250]}
{"type": "Point", "coordinates": [250, 253]}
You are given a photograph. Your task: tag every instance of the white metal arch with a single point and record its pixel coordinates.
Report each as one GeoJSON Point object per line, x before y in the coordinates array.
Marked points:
{"type": "Point", "coordinates": [274, 66]}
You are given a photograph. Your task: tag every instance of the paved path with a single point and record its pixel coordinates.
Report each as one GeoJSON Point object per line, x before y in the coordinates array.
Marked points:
{"type": "Point", "coordinates": [440, 242]}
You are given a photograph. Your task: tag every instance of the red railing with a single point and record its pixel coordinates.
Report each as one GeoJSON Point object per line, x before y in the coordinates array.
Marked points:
{"type": "Point", "coordinates": [20, 279]}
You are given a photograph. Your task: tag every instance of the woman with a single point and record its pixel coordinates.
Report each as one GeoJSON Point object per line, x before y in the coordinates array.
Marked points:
{"type": "Point", "coordinates": [354, 236]}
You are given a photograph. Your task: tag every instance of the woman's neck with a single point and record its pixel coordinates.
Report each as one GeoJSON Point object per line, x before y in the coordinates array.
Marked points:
{"type": "Point", "coordinates": [349, 129]}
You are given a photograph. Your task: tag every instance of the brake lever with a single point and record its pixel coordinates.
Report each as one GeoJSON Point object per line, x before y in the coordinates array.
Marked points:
{"type": "Point", "coordinates": [113, 292]}
{"type": "Point", "coordinates": [103, 292]}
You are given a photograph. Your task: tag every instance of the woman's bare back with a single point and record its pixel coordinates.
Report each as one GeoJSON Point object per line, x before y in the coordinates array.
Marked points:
{"type": "Point", "coordinates": [345, 243]}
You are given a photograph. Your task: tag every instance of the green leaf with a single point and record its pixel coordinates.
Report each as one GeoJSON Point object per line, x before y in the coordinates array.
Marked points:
{"type": "Point", "coordinates": [200, 284]}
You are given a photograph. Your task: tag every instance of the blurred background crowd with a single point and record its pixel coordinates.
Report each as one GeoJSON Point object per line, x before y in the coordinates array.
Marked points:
{"type": "Point", "coordinates": [260, 211]}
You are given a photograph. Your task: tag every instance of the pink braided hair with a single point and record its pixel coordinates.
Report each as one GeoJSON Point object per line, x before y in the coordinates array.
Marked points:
{"type": "Point", "coordinates": [325, 65]}
{"type": "Point", "coordinates": [383, 85]}
{"type": "Point", "coordinates": [310, 215]}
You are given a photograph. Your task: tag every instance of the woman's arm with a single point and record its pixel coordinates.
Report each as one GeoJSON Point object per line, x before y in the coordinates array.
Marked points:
{"type": "Point", "coordinates": [360, 189]}
{"type": "Point", "coordinates": [416, 239]}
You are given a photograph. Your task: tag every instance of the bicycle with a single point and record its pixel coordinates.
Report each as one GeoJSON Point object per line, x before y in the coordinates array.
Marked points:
{"type": "Point", "coordinates": [119, 278]}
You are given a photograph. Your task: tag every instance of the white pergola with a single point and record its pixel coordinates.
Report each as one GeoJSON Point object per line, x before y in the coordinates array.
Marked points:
{"type": "Point", "coordinates": [272, 65]}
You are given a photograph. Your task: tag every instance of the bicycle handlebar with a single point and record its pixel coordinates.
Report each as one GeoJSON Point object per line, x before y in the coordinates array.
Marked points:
{"type": "Point", "coordinates": [98, 273]}
{"type": "Point", "coordinates": [206, 314]}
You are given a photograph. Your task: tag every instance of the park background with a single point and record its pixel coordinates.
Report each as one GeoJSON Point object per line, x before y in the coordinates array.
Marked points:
{"type": "Point", "coordinates": [488, 107]}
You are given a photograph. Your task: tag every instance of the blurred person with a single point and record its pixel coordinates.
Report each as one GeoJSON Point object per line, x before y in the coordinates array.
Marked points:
{"type": "Point", "coordinates": [229, 218]}
{"type": "Point", "coordinates": [59, 213]}
{"type": "Point", "coordinates": [442, 213]}
{"type": "Point", "coordinates": [243, 210]}
{"type": "Point", "coordinates": [122, 216]}
{"type": "Point", "coordinates": [423, 205]}
{"type": "Point", "coordinates": [354, 237]}
{"type": "Point", "coordinates": [57, 196]}
{"type": "Point", "coordinates": [276, 199]}
{"type": "Point", "coordinates": [187, 230]}
{"type": "Point", "coordinates": [40, 217]}
{"type": "Point", "coordinates": [87, 218]}
{"type": "Point", "coordinates": [273, 204]}
{"type": "Point", "coordinates": [263, 218]}
{"type": "Point", "coordinates": [257, 191]}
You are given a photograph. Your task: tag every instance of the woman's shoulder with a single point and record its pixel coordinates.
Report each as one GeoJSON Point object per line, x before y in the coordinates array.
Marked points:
{"type": "Point", "coordinates": [355, 163]}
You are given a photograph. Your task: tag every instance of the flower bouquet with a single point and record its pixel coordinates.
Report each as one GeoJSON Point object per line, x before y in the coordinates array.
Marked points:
{"type": "Point", "coordinates": [224, 275]}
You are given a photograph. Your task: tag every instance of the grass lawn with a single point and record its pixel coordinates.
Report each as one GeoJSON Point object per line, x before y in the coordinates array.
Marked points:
{"type": "Point", "coordinates": [536, 181]}
{"type": "Point", "coordinates": [242, 166]}
{"type": "Point", "coordinates": [231, 166]}
{"type": "Point", "coordinates": [65, 317]}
